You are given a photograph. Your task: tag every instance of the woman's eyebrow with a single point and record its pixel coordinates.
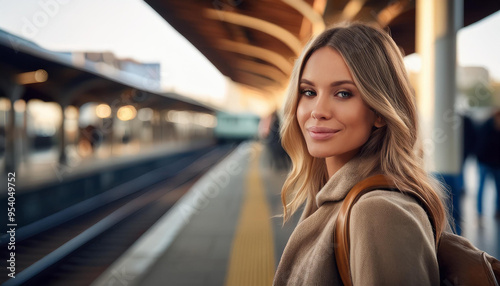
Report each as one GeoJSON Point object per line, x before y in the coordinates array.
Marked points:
{"type": "Point", "coordinates": [306, 81]}
{"type": "Point", "coordinates": [335, 83]}
{"type": "Point", "coordinates": [341, 82]}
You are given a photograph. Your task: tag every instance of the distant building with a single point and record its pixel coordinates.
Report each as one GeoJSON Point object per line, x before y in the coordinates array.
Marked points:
{"type": "Point", "coordinates": [496, 93]}
{"type": "Point", "coordinates": [474, 87]}
{"type": "Point", "coordinates": [468, 77]}
{"type": "Point", "coordinates": [106, 62]}
{"type": "Point", "coordinates": [150, 71]}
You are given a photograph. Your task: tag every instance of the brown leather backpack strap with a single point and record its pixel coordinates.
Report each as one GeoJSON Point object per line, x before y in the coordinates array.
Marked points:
{"type": "Point", "coordinates": [341, 234]}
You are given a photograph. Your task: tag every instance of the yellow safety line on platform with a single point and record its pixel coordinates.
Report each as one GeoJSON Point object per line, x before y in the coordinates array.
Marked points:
{"type": "Point", "coordinates": [252, 255]}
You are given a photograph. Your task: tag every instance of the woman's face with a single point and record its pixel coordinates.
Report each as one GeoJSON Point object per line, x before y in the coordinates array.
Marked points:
{"type": "Point", "coordinates": [332, 116]}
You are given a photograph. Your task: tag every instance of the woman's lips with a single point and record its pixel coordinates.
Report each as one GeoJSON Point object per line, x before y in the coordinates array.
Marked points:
{"type": "Point", "coordinates": [321, 133]}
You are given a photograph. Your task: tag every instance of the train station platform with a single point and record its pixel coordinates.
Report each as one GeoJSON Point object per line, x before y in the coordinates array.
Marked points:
{"type": "Point", "coordinates": [45, 187]}
{"type": "Point", "coordinates": [226, 229]}
{"type": "Point", "coordinates": [42, 168]}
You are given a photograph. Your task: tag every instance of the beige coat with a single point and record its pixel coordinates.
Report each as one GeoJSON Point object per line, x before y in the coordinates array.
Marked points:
{"type": "Point", "coordinates": [390, 236]}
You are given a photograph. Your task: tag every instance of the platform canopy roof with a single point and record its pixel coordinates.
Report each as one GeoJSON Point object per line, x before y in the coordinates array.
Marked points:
{"type": "Point", "coordinates": [77, 84]}
{"type": "Point", "coordinates": [255, 42]}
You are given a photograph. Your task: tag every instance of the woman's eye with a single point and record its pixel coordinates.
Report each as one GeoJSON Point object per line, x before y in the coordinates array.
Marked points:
{"type": "Point", "coordinates": [344, 94]}
{"type": "Point", "coordinates": [307, 92]}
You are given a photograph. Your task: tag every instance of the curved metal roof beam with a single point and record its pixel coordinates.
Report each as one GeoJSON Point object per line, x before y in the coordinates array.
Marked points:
{"type": "Point", "coordinates": [263, 92]}
{"type": "Point", "coordinates": [319, 6]}
{"type": "Point", "coordinates": [352, 9]}
{"type": "Point", "coordinates": [269, 56]}
{"type": "Point", "coordinates": [258, 24]}
{"type": "Point", "coordinates": [386, 15]}
{"type": "Point", "coordinates": [318, 25]}
{"type": "Point", "coordinates": [259, 80]}
{"type": "Point", "coordinates": [263, 69]}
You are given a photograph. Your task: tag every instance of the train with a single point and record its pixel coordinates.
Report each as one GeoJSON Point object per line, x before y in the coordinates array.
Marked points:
{"type": "Point", "coordinates": [236, 127]}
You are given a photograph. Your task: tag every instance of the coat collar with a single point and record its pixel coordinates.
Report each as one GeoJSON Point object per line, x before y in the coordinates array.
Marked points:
{"type": "Point", "coordinates": [345, 178]}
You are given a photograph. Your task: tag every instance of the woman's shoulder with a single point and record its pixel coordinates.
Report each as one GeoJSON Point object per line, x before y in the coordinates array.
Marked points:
{"type": "Point", "coordinates": [388, 197]}
{"type": "Point", "coordinates": [392, 208]}
{"type": "Point", "coordinates": [390, 230]}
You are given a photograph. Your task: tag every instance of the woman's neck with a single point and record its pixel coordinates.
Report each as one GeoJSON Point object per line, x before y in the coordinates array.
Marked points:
{"type": "Point", "coordinates": [334, 163]}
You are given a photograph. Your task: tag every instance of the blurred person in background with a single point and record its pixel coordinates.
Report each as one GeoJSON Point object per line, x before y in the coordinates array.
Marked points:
{"type": "Point", "coordinates": [458, 189]}
{"type": "Point", "coordinates": [278, 157]}
{"type": "Point", "coordinates": [90, 138]}
{"type": "Point", "coordinates": [488, 159]}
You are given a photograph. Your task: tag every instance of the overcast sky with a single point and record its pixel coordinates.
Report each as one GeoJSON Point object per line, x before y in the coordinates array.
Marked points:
{"type": "Point", "coordinates": [128, 28]}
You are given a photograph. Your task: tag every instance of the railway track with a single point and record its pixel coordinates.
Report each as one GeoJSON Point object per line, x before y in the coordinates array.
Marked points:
{"type": "Point", "coordinates": [75, 246]}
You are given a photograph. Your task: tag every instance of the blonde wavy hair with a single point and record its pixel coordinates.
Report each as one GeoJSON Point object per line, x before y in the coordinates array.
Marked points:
{"type": "Point", "coordinates": [376, 65]}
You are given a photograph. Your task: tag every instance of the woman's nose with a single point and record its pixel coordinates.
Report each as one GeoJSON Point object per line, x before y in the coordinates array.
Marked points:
{"type": "Point", "coordinates": [321, 109]}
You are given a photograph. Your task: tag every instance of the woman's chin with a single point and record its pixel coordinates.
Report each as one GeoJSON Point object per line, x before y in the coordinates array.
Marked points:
{"type": "Point", "coordinates": [321, 153]}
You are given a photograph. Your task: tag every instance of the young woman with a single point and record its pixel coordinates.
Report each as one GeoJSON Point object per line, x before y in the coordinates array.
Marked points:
{"type": "Point", "coordinates": [350, 113]}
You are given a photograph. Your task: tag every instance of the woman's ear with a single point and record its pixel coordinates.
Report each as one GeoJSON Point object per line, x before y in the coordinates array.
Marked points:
{"type": "Point", "coordinates": [379, 122]}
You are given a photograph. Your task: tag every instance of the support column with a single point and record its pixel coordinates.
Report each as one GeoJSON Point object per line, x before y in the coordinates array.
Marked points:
{"type": "Point", "coordinates": [155, 121]}
{"type": "Point", "coordinates": [14, 92]}
{"type": "Point", "coordinates": [62, 136]}
{"type": "Point", "coordinates": [26, 141]}
{"type": "Point", "coordinates": [436, 30]}
{"type": "Point", "coordinates": [108, 131]}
